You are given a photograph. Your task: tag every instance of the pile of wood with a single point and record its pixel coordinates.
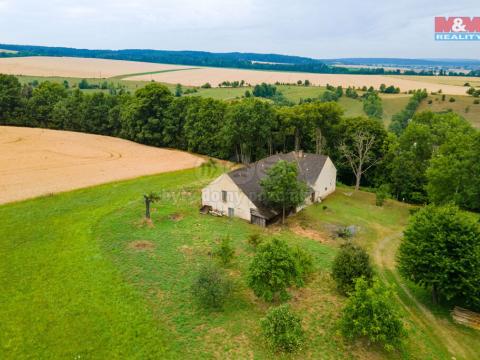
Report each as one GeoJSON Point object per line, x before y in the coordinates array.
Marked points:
{"type": "Point", "coordinates": [466, 317]}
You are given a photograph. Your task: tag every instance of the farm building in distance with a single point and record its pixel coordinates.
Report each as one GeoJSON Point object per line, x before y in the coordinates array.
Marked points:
{"type": "Point", "coordinates": [238, 193]}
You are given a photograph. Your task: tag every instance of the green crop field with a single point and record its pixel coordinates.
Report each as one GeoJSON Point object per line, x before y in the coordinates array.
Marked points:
{"type": "Point", "coordinates": [83, 276]}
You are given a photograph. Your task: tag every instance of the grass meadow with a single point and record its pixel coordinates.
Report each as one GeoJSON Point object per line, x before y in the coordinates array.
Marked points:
{"type": "Point", "coordinates": [84, 276]}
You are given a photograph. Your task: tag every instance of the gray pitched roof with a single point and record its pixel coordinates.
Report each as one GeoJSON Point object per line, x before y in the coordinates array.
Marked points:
{"type": "Point", "coordinates": [248, 178]}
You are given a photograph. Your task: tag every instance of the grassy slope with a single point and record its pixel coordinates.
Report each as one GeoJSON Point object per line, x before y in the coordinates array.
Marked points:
{"type": "Point", "coordinates": [433, 335]}
{"type": "Point", "coordinates": [463, 106]}
{"type": "Point", "coordinates": [74, 286]}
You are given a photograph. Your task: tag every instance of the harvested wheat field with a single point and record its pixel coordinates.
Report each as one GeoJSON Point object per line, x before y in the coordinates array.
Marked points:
{"type": "Point", "coordinates": [78, 67]}
{"type": "Point", "coordinates": [35, 162]}
{"type": "Point", "coordinates": [215, 76]}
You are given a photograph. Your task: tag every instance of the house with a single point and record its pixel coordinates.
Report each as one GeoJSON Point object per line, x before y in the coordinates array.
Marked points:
{"type": "Point", "coordinates": [238, 193]}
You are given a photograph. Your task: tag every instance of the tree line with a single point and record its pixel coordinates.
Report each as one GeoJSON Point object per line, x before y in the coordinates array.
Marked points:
{"type": "Point", "coordinates": [273, 62]}
{"type": "Point", "coordinates": [435, 158]}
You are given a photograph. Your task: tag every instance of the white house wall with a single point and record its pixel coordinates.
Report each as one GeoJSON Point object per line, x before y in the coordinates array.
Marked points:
{"type": "Point", "coordinates": [236, 199]}
{"type": "Point", "coordinates": [326, 181]}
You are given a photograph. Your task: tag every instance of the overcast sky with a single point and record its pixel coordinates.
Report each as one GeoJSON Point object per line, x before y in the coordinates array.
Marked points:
{"type": "Point", "coordinates": [320, 29]}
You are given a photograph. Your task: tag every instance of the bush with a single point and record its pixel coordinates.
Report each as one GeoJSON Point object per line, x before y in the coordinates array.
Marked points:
{"type": "Point", "coordinates": [272, 270]}
{"type": "Point", "coordinates": [351, 263]}
{"type": "Point", "coordinates": [304, 263]}
{"type": "Point", "coordinates": [370, 313]}
{"type": "Point", "coordinates": [282, 329]}
{"type": "Point", "coordinates": [476, 101]}
{"type": "Point", "coordinates": [254, 239]}
{"type": "Point", "coordinates": [381, 194]}
{"type": "Point", "coordinates": [452, 100]}
{"type": "Point", "coordinates": [225, 252]}
{"type": "Point", "coordinates": [211, 287]}
{"type": "Point", "coordinates": [344, 232]}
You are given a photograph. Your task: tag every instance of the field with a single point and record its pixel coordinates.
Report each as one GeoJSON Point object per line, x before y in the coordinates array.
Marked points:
{"type": "Point", "coordinates": [36, 162]}
{"type": "Point", "coordinates": [173, 74]}
{"type": "Point", "coordinates": [463, 105]}
{"type": "Point", "coordinates": [84, 277]}
{"type": "Point", "coordinates": [444, 80]}
{"type": "Point", "coordinates": [215, 76]}
{"type": "Point", "coordinates": [8, 51]}
{"type": "Point", "coordinates": [78, 67]}
{"type": "Point", "coordinates": [117, 72]}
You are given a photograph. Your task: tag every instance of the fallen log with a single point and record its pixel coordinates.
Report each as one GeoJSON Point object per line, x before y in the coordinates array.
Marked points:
{"type": "Point", "coordinates": [466, 317]}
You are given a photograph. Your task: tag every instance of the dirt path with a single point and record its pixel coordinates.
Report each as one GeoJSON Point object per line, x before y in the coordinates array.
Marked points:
{"type": "Point", "coordinates": [439, 330]}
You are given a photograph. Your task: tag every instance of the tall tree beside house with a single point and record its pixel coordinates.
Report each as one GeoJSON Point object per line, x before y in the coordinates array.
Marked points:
{"type": "Point", "coordinates": [361, 144]}
{"type": "Point", "coordinates": [441, 252]}
{"type": "Point", "coordinates": [323, 117]}
{"type": "Point", "coordinates": [295, 123]}
{"type": "Point", "coordinates": [359, 155]}
{"type": "Point", "coordinates": [454, 172]}
{"type": "Point", "coordinates": [281, 188]}
{"type": "Point", "coordinates": [249, 127]}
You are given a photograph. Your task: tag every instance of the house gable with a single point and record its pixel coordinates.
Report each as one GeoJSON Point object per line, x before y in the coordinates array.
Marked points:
{"type": "Point", "coordinates": [224, 196]}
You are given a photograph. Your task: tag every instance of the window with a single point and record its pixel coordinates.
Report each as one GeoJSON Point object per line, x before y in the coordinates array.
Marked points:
{"type": "Point", "coordinates": [224, 196]}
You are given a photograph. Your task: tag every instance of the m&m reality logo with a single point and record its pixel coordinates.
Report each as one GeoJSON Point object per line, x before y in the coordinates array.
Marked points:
{"type": "Point", "coordinates": [460, 28]}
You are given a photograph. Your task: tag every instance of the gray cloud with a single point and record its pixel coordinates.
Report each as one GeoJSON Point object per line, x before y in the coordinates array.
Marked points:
{"type": "Point", "coordinates": [322, 29]}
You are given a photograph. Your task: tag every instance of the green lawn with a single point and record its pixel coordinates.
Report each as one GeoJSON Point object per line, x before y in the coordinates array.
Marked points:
{"type": "Point", "coordinates": [74, 285]}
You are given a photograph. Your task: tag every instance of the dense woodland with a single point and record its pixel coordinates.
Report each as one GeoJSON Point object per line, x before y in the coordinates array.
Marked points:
{"type": "Point", "coordinates": [425, 157]}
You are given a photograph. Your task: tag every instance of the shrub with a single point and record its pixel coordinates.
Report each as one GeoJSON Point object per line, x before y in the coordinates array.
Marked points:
{"type": "Point", "coordinates": [211, 287]}
{"type": "Point", "coordinates": [381, 194]}
{"type": "Point", "coordinates": [282, 329]}
{"type": "Point", "coordinates": [370, 313]}
{"type": "Point", "coordinates": [272, 270]}
{"type": "Point", "coordinates": [476, 101]}
{"type": "Point", "coordinates": [351, 263]}
{"type": "Point", "coordinates": [225, 252]}
{"type": "Point", "coordinates": [452, 100]}
{"type": "Point", "coordinates": [254, 239]}
{"type": "Point", "coordinates": [304, 262]}
{"type": "Point", "coordinates": [344, 232]}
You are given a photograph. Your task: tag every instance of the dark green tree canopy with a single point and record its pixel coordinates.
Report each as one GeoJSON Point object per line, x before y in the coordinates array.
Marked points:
{"type": "Point", "coordinates": [281, 188]}
{"type": "Point", "coordinates": [273, 270]}
{"type": "Point", "coordinates": [370, 313]}
{"type": "Point", "coordinates": [441, 251]}
{"type": "Point", "coordinates": [351, 263]}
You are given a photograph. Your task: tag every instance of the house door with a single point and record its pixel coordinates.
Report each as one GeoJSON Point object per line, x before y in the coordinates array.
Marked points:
{"type": "Point", "coordinates": [231, 212]}
{"type": "Point", "coordinates": [313, 197]}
